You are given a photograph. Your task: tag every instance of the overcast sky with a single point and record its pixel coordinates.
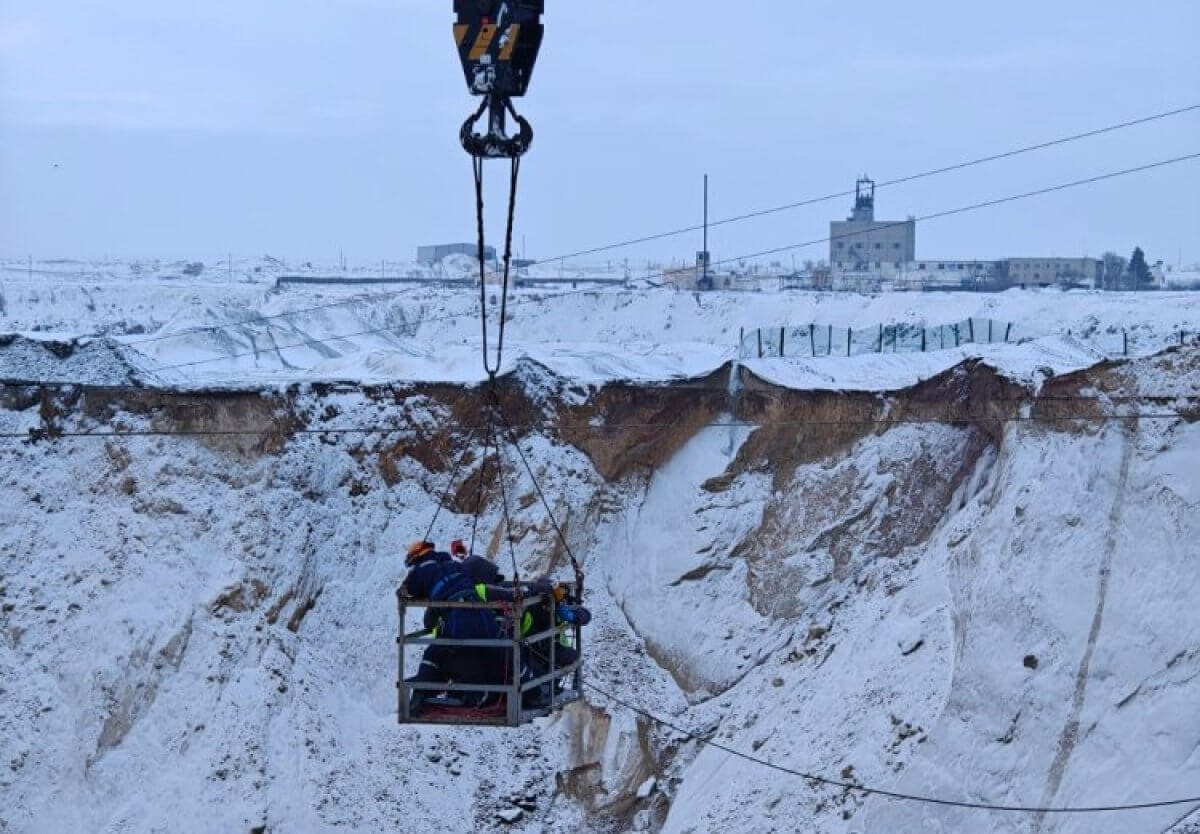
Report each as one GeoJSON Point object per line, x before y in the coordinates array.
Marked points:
{"type": "Point", "coordinates": [179, 128]}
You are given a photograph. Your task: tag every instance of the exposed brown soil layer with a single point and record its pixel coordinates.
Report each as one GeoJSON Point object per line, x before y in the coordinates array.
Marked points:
{"type": "Point", "coordinates": [623, 428]}
{"type": "Point", "coordinates": [799, 427]}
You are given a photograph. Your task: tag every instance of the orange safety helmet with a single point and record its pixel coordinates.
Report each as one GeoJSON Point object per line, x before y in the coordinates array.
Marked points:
{"type": "Point", "coordinates": [418, 549]}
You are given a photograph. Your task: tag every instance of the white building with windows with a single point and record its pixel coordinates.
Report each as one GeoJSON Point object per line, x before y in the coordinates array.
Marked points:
{"type": "Point", "coordinates": [1085, 271]}
{"type": "Point", "coordinates": [869, 255]}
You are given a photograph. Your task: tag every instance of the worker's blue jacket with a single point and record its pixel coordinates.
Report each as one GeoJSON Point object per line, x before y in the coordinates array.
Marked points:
{"type": "Point", "coordinates": [439, 578]}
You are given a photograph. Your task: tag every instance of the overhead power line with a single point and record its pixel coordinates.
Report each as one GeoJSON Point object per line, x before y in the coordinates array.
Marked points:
{"type": "Point", "coordinates": [773, 251]}
{"type": "Point", "coordinates": [50, 434]}
{"type": "Point", "coordinates": [1124, 172]}
{"type": "Point", "coordinates": [812, 201]}
{"type": "Point", "coordinates": [624, 244]}
{"type": "Point", "coordinates": [709, 741]}
{"type": "Point", "coordinates": [663, 385]}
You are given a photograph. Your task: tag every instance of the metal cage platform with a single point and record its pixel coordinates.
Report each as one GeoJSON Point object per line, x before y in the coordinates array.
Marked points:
{"type": "Point", "coordinates": [514, 714]}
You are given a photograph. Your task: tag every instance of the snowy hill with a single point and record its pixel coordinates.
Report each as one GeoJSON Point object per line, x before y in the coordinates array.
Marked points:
{"type": "Point", "coordinates": [965, 574]}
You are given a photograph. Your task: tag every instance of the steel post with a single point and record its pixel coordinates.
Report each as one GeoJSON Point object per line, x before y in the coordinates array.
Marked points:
{"type": "Point", "coordinates": [514, 691]}
{"type": "Point", "coordinates": [402, 710]}
{"type": "Point", "coordinates": [553, 645]}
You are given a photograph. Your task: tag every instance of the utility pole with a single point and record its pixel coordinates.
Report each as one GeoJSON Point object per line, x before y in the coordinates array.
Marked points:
{"type": "Point", "coordinates": [705, 255]}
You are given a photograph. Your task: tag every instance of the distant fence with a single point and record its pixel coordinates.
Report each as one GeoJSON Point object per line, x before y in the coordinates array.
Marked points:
{"type": "Point", "coordinates": [1136, 342]}
{"type": "Point", "coordinates": [827, 340]}
{"type": "Point", "coordinates": [285, 280]}
{"type": "Point", "coordinates": [815, 340]}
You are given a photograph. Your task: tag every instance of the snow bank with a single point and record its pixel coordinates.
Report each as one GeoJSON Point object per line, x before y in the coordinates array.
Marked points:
{"type": "Point", "coordinates": [214, 331]}
{"type": "Point", "coordinates": [1028, 363]}
{"type": "Point", "coordinates": [35, 357]}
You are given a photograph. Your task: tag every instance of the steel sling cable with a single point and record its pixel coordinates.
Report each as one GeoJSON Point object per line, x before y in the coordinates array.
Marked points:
{"type": "Point", "coordinates": [508, 235]}
{"type": "Point", "coordinates": [508, 527]}
{"type": "Point", "coordinates": [477, 170]}
{"type": "Point", "coordinates": [517, 616]}
{"type": "Point", "coordinates": [512, 439]}
{"type": "Point", "coordinates": [450, 482]}
{"type": "Point", "coordinates": [493, 369]}
{"type": "Point", "coordinates": [483, 468]}
{"type": "Point", "coordinates": [477, 165]}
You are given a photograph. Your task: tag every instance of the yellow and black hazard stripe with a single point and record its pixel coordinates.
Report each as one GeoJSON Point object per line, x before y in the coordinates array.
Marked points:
{"type": "Point", "coordinates": [481, 44]}
{"type": "Point", "coordinates": [509, 42]}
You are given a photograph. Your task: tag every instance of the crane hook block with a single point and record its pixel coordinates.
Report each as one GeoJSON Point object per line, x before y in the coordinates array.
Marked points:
{"type": "Point", "coordinates": [498, 43]}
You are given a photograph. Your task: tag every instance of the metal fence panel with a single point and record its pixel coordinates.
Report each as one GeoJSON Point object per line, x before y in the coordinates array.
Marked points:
{"type": "Point", "coordinates": [823, 339]}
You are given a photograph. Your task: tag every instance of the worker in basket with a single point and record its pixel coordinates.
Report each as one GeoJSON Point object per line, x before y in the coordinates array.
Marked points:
{"type": "Point", "coordinates": [439, 577]}
{"type": "Point", "coordinates": [536, 619]}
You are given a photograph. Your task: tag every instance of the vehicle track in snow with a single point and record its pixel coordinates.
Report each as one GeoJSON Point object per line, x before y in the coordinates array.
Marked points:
{"type": "Point", "coordinates": [1069, 737]}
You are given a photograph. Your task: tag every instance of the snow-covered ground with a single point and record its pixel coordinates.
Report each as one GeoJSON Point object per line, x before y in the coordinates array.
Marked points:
{"type": "Point", "coordinates": [212, 329]}
{"type": "Point", "coordinates": [196, 633]}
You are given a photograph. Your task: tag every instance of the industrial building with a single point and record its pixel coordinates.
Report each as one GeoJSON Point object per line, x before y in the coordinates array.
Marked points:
{"type": "Point", "coordinates": [1080, 271]}
{"type": "Point", "coordinates": [433, 255]}
{"type": "Point", "coordinates": [866, 254]}
{"type": "Point", "coordinates": [863, 244]}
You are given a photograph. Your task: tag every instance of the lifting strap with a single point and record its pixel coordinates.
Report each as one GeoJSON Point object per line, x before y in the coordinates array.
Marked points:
{"type": "Point", "coordinates": [493, 368]}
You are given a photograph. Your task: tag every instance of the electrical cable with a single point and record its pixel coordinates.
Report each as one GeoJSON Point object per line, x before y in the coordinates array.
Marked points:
{"type": "Point", "coordinates": [885, 184]}
{"type": "Point", "coordinates": [43, 434]}
{"type": "Point", "coordinates": [687, 230]}
{"type": "Point", "coordinates": [937, 215]}
{"type": "Point", "coordinates": [776, 250]}
{"type": "Point", "coordinates": [709, 741]}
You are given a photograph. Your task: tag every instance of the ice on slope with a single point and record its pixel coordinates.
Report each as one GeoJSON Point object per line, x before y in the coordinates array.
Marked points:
{"type": "Point", "coordinates": [661, 554]}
